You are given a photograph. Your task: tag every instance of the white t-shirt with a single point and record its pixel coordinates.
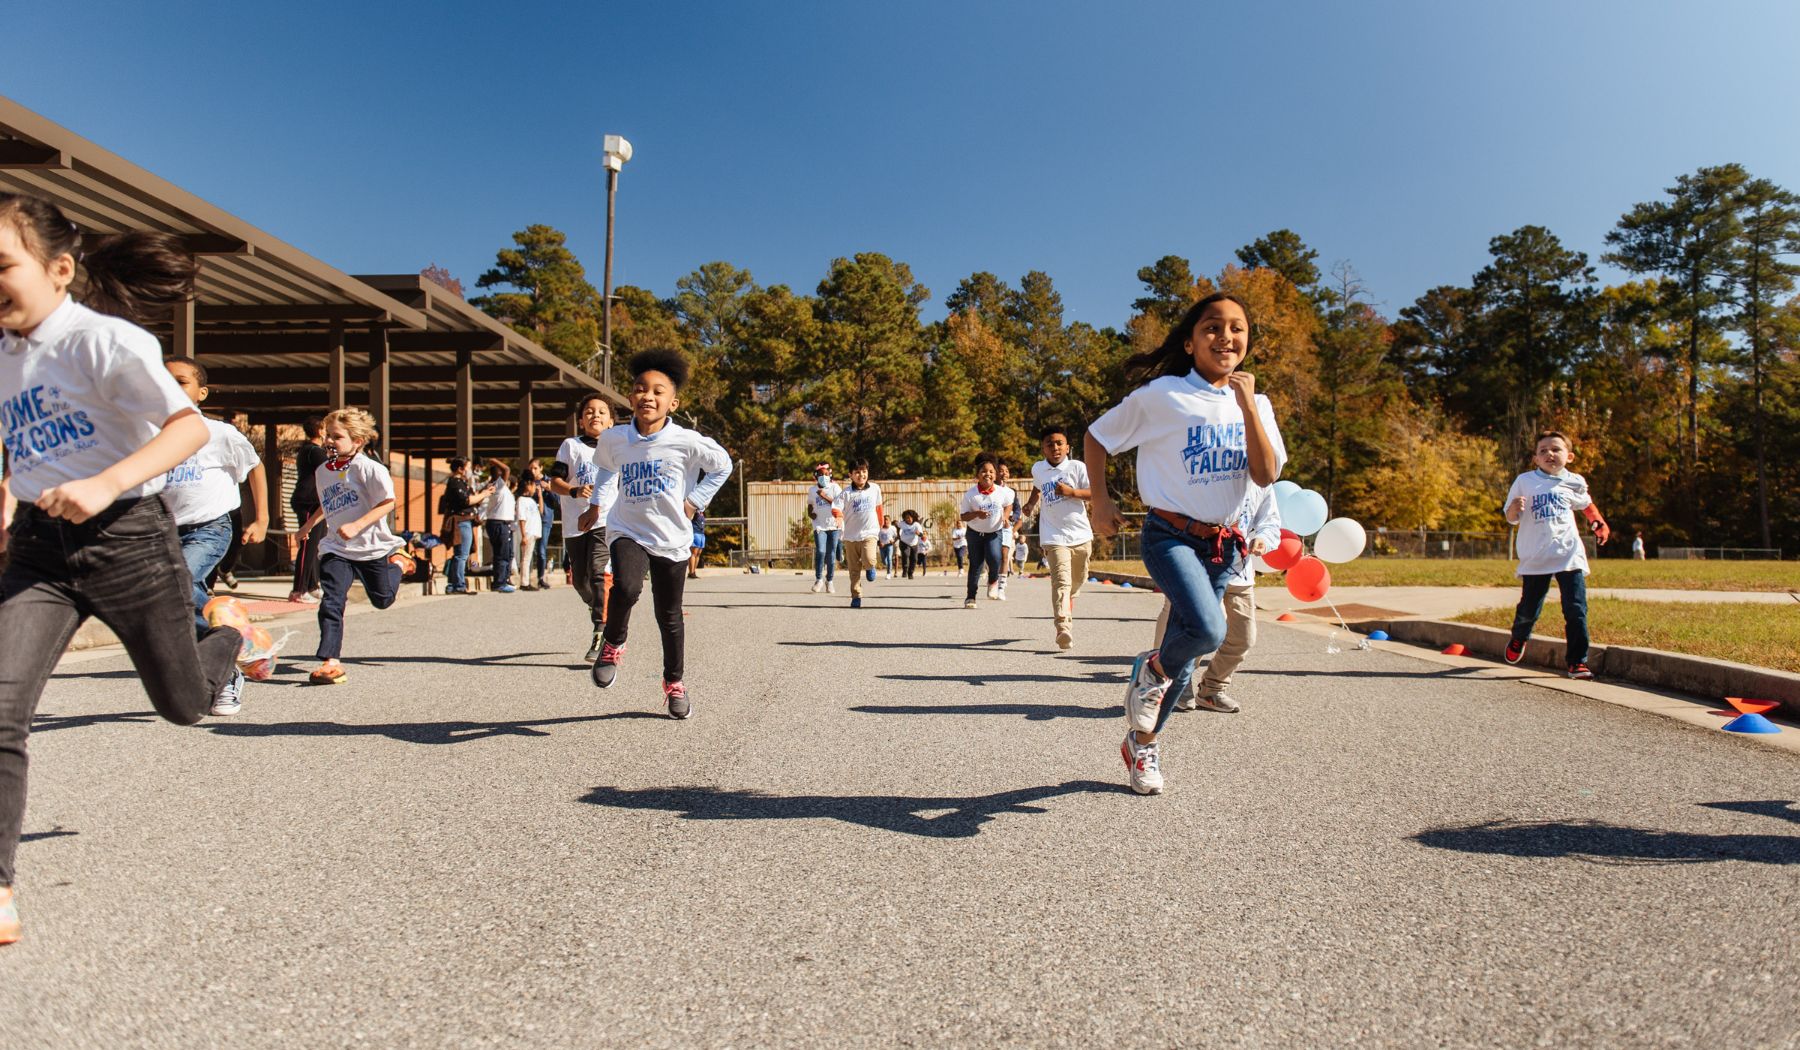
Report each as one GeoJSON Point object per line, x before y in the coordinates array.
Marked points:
{"type": "Point", "coordinates": [991, 504]}
{"type": "Point", "coordinates": [654, 475]}
{"type": "Point", "coordinates": [886, 535]}
{"type": "Point", "coordinates": [78, 395]}
{"type": "Point", "coordinates": [909, 533]}
{"type": "Point", "coordinates": [578, 456]}
{"type": "Point", "coordinates": [1549, 536]}
{"type": "Point", "coordinates": [348, 494]}
{"type": "Point", "coordinates": [531, 520]}
{"type": "Point", "coordinates": [205, 485]}
{"type": "Point", "coordinates": [500, 505]}
{"type": "Point", "coordinates": [1062, 520]}
{"type": "Point", "coordinates": [1191, 447]}
{"type": "Point", "coordinates": [924, 542]}
{"type": "Point", "coordinates": [859, 505]}
{"type": "Point", "coordinates": [1019, 552]}
{"type": "Point", "coordinates": [959, 537]}
{"type": "Point", "coordinates": [821, 500]}
{"type": "Point", "coordinates": [1262, 519]}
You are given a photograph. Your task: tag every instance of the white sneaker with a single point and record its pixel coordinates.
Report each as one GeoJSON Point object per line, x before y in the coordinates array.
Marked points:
{"type": "Point", "coordinates": [830, 586]}
{"type": "Point", "coordinates": [1003, 580]}
{"type": "Point", "coordinates": [231, 696]}
{"type": "Point", "coordinates": [993, 592]}
{"type": "Point", "coordinates": [1219, 702]}
{"type": "Point", "coordinates": [1187, 702]}
{"type": "Point", "coordinates": [818, 585]}
{"type": "Point", "coordinates": [1142, 764]}
{"type": "Point", "coordinates": [1144, 694]}
{"type": "Point", "coordinates": [970, 604]}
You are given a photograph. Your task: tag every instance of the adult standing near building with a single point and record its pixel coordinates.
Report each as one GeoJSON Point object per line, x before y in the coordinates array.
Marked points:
{"type": "Point", "coordinates": [307, 460]}
{"type": "Point", "coordinates": [500, 515]}
{"type": "Point", "coordinates": [457, 505]}
{"type": "Point", "coordinates": [546, 504]}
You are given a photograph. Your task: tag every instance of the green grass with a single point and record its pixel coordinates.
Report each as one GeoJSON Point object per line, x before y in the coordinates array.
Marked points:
{"type": "Point", "coordinates": [1746, 632]}
{"type": "Point", "coordinates": [1372, 571]}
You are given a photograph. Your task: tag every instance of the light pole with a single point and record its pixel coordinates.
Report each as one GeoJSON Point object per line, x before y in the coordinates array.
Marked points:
{"type": "Point", "coordinates": [618, 151]}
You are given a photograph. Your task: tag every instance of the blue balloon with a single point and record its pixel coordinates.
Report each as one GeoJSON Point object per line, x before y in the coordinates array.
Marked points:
{"type": "Point", "coordinates": [1284, 487]}
{"type": "Point", "coordinates": [1303, 513]}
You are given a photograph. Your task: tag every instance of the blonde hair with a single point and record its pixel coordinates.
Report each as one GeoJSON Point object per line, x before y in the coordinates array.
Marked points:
{"type": "Point", "coordinates": [356, 423]}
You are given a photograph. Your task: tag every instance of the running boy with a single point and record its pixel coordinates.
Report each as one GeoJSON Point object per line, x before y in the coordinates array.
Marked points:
{"type": "Point", "coordinates": [1204, 436]}
{"type": "Point", "coordinates": [574, 479]}
{"type": "Point", "coordinates": [1060, 485]}
{"type": "Point", "coordinates": [666, 474]}
{"type": "Point", "coordinates": [1542, 503]}
{"type": "Point", "coordinates": [356, 495]}
{"type": "Point", "coordinates": [864, 518]}
{"type": "Point", "coordinates": [983, 510]}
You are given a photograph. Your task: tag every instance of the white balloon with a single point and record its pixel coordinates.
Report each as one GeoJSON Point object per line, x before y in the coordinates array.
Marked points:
{"type": "Point", "coordinates": [1261, 566]}
{"type": "Point", "coordinates": [1303, 512]}
{"type": "Point", "coordinates": [1340, 540]}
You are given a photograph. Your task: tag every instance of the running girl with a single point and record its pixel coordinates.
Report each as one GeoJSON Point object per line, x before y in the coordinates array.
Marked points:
{"type": "Point", "coordinates": [665, 475]}
{"type": "Point", "coordinates": [92, 423]}
{"type": "Point", "coordinates": [356, 495]}
{"type": "Point", "coordinates": [910, 532]}
{"type": "Point", "coordinates": [574, 479]}
{"type": "Point", "coordinates": [1204, 437]}
{"type": "Point", "coordinates": [983, 510]}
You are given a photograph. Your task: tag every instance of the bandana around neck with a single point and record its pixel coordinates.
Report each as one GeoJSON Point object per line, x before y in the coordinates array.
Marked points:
{"type": "Point", "coordinates": [339, 464]}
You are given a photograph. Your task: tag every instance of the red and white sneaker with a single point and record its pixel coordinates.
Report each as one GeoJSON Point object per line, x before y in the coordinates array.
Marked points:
{"type": "Point", "coordinates": [1515, 651]}
{"type": "Point", "coordinates": [675, 696]}
{"type": "Point", "coordinates": [1143, 764]}
{"type": "Point", "coordinates": [1580, 670]}
{"type": "Point", "coordinates": [606, 669]}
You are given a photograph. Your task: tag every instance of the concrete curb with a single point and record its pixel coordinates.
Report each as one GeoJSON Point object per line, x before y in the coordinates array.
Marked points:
{"type": "Point", "coordinates": [1674, 672]}
{"type": "Point", "coordinates": [1137, 582]}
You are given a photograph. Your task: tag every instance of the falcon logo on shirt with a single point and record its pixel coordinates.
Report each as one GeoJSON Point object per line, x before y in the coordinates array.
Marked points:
{"type": "Point", "coordinates": [1215, 452]}
{"type": "Point", "coordinates": [639, 481]}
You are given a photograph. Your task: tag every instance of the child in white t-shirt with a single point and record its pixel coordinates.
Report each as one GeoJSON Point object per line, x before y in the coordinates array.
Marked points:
{"type": "Point", "coordinates": [887, 538]}
{"type": "Point", "coordinates": [959, 543]}
{"type": "Point", "coordinates": [202, 492]}
{"type": "Point", "coordinates": [1203, 437]}
{"type": "Point", "coordinates": [910, 531]}
{"type": "Point", "coordinates": [1543, 502]}
{"type": "Point", "coordinates": [1065, 539]}
{"type": "Point", "coordinates": [356, 495]}
{"type": "Point", "coordinates": [984, 510]}
{"type": "Point", "coordinates": [573, 479]}
{"type": "Point", "coordinates": [863, 520]}
{"type": "Point", "coordinates": [1008, 526]}
{"type": "Point", "coordinates": [826, 505]}
{"type": "Point", "coordinates": [530, 527]}
{"type": "Point", "coordinates": [666, 474]}
{"type": "Point", "coordinates": [92, 423]}
{"type": "Point", "coordinates": [1263, 529]}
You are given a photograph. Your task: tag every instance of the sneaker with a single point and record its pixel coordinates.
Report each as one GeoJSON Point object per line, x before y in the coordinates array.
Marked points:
{"type": "Point", "coordinates": [1144, 694]}
{"type": "Point", "coordinates": [1143, 764]}
{"type": "Point", "coordinates": [328, 673]}
{"type": "Point", "coordinates": [317, 593]}
{"type": "Point", "coordinates": [1515, 651]}
{"type": "Point", "coordinates": [1580, 671]}
{"type": "Point", "coordinates": [818, 585]}
{"type": "Point", "coordinates": [231, 696]}
{"type": "Point", "coordinates": [675, 696]}
{"type": "Point", "coordinates": [869, 576]}
{"type": "Point", "coordinates": [993, 592]}
{"type": "Point", "coordinates": [1064, 638]}
{"type": "Point", "coordinates": [606, 669]}
{"type": "Point", "coordinates": [1003, 588]}
{"type": "Point", "coordinates": [543, 584]}
{"type": "Point", "coordinates": [593, 652]}
{"type": "Point", "coordinates": [830, 586]}
{"type": "Point", "coordinates": [505, 588]}
{"type": "Point", "coordinates": [1187, 702]}
{"type": "Point", "coordinates": [856, 601]}
{"type": "Point", "coordinates": [302, 598]}
{"type": "Point", "coordinates": [970, 604]}
{"type": "Point", "coordinates": [9, 915]}
{"type": "Point", "coordinates": [229, 580]}
{"type": "Point", "coordinates": [1219, 702]}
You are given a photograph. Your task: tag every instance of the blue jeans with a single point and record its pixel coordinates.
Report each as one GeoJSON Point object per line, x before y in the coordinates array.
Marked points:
{"type": "Point", "coordinates": [1195, 585]}
{"type": "Point", "coordinates": [826, 543]}
{"type": "Point", "coordinates": [456, 569]}
{"type": "Point", "coordinates": [500, 548]}
{"type": "Point", "coordinates": [381, 582]}
{"type": "Point", "coordinates": [203, 546]}
{"type": "Point", "coordinates": [1572, 585]}
{"type": "Point", "coordinates": [984, 549]}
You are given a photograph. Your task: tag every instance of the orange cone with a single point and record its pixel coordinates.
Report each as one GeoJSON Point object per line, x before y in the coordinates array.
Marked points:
{"type": "Point", "coordinates": [1752, 707]}
{"type": "Point", "coordinates": [1455, 649]}
{"type": "Point", "coordinates": [1287, 618]}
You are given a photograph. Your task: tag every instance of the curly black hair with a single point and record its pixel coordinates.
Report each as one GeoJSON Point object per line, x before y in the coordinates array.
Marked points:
{"type": "Point", "coordinates": [669, 362]}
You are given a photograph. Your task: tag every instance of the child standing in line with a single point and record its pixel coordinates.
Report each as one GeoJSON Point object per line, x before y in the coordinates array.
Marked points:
{"type": "Point", "coordinates": [575, 479]}
{"type": "Point", "coordinates": [499, 519]}
{"type": "Point", "coordinates": [356, 495]}
{"type": "Point", "coordinates": [92, 422]}
{"type": "Point", "coordinates": [909, 542]}
{"type": "Point", "coordinates": [887, 538]}
{"type": "Point", "coordinates": [959, 543]}
{"type": "Point", "coordinates": [826, 502]}
{"type": "Point", "coordinates": [1204, 436]}
{"type": "Point", "coordinates": [864, 518]}
{"type": "Point", "coordinates": [983, 510]}
{"type": "Point", "coordinates": [202, 491]}
{"type": "Point", "coordinates": [666, 474]}
{"type": "Point", "coordinates": [530, 524]}
{"type": "Point", "coordinates": [1263, 529]}
{"type": "Point", "coordinates": [1059, 485]}
{"type": "Point", "coordinates": [1542, 503]}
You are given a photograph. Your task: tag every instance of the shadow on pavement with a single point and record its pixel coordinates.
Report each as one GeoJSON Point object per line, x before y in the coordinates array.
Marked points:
{"type": "Point", "coordinates": [45, 723]}
{"type": "Point", "coordinates": [1091, 678]}
{"type": "Point", "coordinates": [1779, 808]}
{"type": "Point", "coordinates": [415, 732]}
{"type": "Point", "coordinates": [56, 832]}
{"type": "Point", "coordinates": [950, 818]}
{"type": "Point", "coordinates": [846, 643]}
{"type": "Point", "coordinates": [1032, 712]}
{"type": "Point", "coordinates": [1447, 672]}
{"type": "Point", "coordinates": [496, 660]}
{"type": "Point", "coordinates": [872, 606]}
{"type": "Point", "coordinates": [1596, 840]}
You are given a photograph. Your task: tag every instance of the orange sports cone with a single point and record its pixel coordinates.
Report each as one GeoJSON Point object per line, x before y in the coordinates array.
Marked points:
{"type": "Point", "coordinates": [1752, 707]}
{"type": "Point", "coordinates": [1455, 649]}
{"type": "Point", "coordinates": [1287, 618]}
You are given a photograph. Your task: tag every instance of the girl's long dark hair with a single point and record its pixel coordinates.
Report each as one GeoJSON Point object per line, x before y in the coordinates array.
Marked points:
{"type": "Point", "coordinates": [1172, 357]}
{"type": "Point", "coordinates": [137, 275]}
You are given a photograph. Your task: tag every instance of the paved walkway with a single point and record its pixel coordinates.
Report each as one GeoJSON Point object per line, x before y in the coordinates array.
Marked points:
{"type": "Point", "coordinates": [902, 826]}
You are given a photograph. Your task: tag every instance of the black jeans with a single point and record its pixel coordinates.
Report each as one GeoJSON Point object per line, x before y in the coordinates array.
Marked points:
{"type": "Point", "coordinates": [380, 579]}
{"type": "Point", "coordinates": [306, 555]}
{"type": "Point", "coordinates": [984, 549]}
{"type": "Point", "coordinates": [123, 566]}
{"type": "Point", "coordinates": [500, 551]}
{"type": "Point", "coordinates": [590, 559]}
{"type": "Point", "coordinates": [667, 578]}
{"type": "Point", "coordinates": [910, 560]}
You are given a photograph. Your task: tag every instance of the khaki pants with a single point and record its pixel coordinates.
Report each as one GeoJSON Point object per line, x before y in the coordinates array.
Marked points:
{"type": "Point", "coordinates": [1068, 571]}
{"type": "Point", "coordinates": [1240, 635]}
{"type": "Point", "coordinates": [859, 556]}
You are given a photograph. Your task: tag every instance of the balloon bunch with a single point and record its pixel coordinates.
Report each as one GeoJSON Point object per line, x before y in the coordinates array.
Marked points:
{"type": "Point", "coordinates": [1303, 513]}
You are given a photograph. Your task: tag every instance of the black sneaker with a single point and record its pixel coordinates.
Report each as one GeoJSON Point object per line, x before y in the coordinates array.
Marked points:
{"type": "Point", "coordinates": [593, 652]}
{"type": "Point", "coordinates": [1515, 651]}
{"type": "Point", "coordinates": [606, 669]}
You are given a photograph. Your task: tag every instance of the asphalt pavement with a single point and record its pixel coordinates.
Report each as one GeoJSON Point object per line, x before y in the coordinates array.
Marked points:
{"type": "Point", "coordinates": [904, 825]}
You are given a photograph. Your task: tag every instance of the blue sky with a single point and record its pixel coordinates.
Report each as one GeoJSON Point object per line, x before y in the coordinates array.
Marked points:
{"type": "Point", "coordinates": [1079, 138]}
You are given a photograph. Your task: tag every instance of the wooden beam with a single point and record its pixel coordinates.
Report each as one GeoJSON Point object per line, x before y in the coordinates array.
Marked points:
{"type": "Point", "coordinates": [292, 375]}
{"type": "Point", "coordinates": [465, 403]}
{"type": "Point", "coordinates": [265, 314]}
{"type": "Point", "coordinates": [17, 153]}
{"type": "Point", "coordinates": [380, 394]}
{"type": "Point", "coordinates": [526, 409]}
{"type": "Point", "coordinates": [334, 370]}
{"type": "Point", "coordinates": [181, 339]}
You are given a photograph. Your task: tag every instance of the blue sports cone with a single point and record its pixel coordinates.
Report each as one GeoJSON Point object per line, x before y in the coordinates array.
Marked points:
{"type": "Point", "coordinates": [1124, 583]}
{"type": "Point", "coordinates": [1750, 724]}
{"type": "Point", "coordinates": [1092, 580]}
{"type": "Point", "coordinates": [1378, 636]}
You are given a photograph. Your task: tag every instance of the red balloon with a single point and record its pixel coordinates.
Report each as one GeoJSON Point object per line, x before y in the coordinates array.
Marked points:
{"type": "Point", "coordinates": [1308, 580]}
{"type": "Point", "coordinates": [1287, 555]}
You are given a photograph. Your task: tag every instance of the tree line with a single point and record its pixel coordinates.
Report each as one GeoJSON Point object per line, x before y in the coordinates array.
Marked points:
{"type": "Point", "coordinates": [1679, 386]}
